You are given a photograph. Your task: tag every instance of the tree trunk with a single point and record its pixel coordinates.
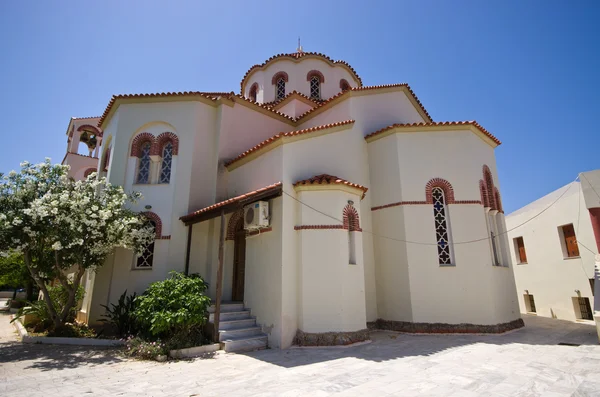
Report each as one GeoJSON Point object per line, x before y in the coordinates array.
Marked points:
{"type": "Point", "coordinates": [72, 288]}
{"type": "Point", "coordinates": [29, 289]}
{"type": "Point", "coordinates": [40, 282]}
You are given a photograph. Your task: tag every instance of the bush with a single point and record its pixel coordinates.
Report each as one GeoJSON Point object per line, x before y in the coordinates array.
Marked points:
{"type": "Point", "coordinates": [173, 305]}
{"type": "Point", "coordinates": [121, 315]}
{"type": "Point", "coordinates": [149, 350]}
{"type": "Point", "coordinates": [186, 337]}
{"type": "Point", "coordinates": [73, 330]}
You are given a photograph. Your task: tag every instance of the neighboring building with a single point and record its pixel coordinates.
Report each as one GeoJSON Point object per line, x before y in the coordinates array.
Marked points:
{"type": "Point", "coordinates": [554, 248]}
{"type": "Point", "coordinates": [325, 253]}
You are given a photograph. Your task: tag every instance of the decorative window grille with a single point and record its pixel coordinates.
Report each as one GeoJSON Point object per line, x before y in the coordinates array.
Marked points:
{"type": "Point", "coordinates": [441, 226]}
{"type": "Point", "coordinates": [315, 87]}
{"type": "Point", "coordinates": [145, 259]}
{"type": "Point", "coordinates": [585, 309]}
{"type": "Point", "coordinates": [530, 302]}
{"type": "Point", "coordinates": [144, 164]}
{"type": "Point", "coordinates": [167, 158]}
{"type": "Point", "coordinates": [280, 89]}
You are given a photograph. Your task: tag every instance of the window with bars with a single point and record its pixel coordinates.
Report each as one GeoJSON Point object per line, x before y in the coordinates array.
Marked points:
{"type": "Point", "coordinates": [530, 303]}
{"type": "Point", "coordinates": [441, 227]}
{"type": "Point", "coordinates": [143, 175]}
{"type": "Point", "coordinates": [570, 247]}
{"type": "Point", "coordinates": [585, 309]}
{"type": "Point", "coordinates": [520, 250]}
{"type": "Point", "coordinates": [167, 158]}
{"type": "Point", "coordinates": [280, 89]}
{"type": "Point", "coordinates": [145, 259]}
{"type": "Point", "coordinates": [315, 87]}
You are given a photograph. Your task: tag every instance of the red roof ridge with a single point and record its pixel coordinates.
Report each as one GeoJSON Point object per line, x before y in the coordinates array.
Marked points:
{"type": "Point", "coordinates": [285, 134]}
{"type": "Point", "coordinates": [84, 118]}
{"type": "Point", "coordinates": [229, 201]}
{"type": "Point", "coordinates": [436, 124]}
{"type": "Point", "coordinates": [298, 55]}
{"type": "Point", "coordinates": [326, 179]}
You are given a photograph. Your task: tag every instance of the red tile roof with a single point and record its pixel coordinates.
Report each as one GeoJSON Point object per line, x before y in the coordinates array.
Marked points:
{"type": "Point", "coordinates": [439, 124]}
{"type": "Point", "coordinates": [298, 55]}
{"type": "Point", "coordinates": [242, 197]}
{"type": "Point", "coordinates": [294, 93]}
{"type": "Point", "coordinates": [286, 134]}
{"type": "Point", "coordinates": [325, 179]}
{"type": "Point", "coordinates": [84, 118]}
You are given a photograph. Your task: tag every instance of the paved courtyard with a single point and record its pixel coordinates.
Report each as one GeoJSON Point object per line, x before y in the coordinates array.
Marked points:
{"type": "Point", "coordinates": [526, 362]}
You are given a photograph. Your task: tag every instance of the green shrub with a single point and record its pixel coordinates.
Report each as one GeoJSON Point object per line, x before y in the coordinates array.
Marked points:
{"type": "Point", "coordinates": [121, 315]}
{"type": "Point", "coordinates": [172, 305]}
{"type": "Point", "coordinates": [73, 330]}
{"type": "Point", "coordinates": [59, 296]}
{"type": "Point", "coordinates": [186, 337]}
{"type": "Point", "coordinates": [149, 350]}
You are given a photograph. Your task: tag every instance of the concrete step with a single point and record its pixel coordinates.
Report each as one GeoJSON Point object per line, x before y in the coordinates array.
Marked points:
{"type": "Point", "coordinates": [233, 324]}
{"type": "Point", "coordinates": [228, 316]}
{"type": "Point", "coordinates": [228, 307]}
{"type": "Point", "coordinates": [239, 332]}
{"type": "Point", "coordinates": [245, 343]}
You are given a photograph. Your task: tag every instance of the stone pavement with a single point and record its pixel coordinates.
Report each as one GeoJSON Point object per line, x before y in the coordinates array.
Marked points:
{"type": "Point", "coordinates": [525, 362]}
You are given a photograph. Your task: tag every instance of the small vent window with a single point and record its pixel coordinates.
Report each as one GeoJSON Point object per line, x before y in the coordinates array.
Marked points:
{"type": "Point", "coordinates": [280, 88]}
{"type": "Point", "coordinates": [315, 87]}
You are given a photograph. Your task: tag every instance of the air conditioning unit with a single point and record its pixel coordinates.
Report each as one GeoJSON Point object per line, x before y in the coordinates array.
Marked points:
{"type": "Point", "coordinates": [256, 215]}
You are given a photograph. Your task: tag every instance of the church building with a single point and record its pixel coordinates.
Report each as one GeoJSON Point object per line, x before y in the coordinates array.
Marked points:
{"type": "Point", "coordinates": [341, 206]}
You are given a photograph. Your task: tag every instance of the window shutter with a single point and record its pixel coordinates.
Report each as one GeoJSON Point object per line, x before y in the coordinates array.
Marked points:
{"type": "Point", "coordinates": [570, 241]}
{"type": "Point", "coordinates": [522, 254]}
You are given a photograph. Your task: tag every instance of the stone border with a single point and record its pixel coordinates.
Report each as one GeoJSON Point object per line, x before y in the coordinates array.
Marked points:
{"type": "Point", "coordinates": [330, 338]}
{"type": "Point", "coordinates": [194, 351]}
{"type": "Point", "coordinates": [443, 328]}
{"type": "Point", "coordinates": [51, 340]}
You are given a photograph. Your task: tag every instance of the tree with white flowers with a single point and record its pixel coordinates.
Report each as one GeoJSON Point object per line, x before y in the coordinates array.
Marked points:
{"type": "Point", "coordinates": [60, 225]}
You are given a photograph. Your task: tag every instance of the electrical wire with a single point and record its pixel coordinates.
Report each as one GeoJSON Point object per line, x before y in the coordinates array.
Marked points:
{"type": "Point", "coordinates": [435, 244]}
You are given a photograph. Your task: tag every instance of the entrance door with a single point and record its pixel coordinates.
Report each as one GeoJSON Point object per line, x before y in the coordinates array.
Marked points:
{"type": "Point", "coordinates": [239, 266]}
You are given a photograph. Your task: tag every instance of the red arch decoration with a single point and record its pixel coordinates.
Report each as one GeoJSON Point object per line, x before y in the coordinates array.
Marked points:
{"type": "Point", "coordinates": [88, 127]}
{"type": "Point", "coordinates": [278, 75]}
{"type": "Point", "coordinates": [312, 73]}
{"type": "Point", "coordinates": [253, 91]}
{"type": "Point", "coordinates": [88, 172]}
{"type": "Point", "coordinates": [344, 85]}
{"type": "Point", "coordinates": [484, 194]}
{"type": "Point", "coordinates": [489, 185]}
{"type": "Point", "coordinates": [138, 141]}
{"type": "Point", "coordinates": [442, 184]}
{"type": "Point", "coordinates": [162, 140]}
{"type": "Point", "coordinates": [157, 223]}
{"type": "Point", "coordinates": [351, 220]}
{"type": "Point", "coordinates": [498, 200]}
{"type": "Point", "coordinates": [232, 225]}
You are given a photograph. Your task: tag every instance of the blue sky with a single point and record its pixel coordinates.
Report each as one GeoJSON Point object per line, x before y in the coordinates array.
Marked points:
{"type": "Point", "coordinates": [528, 71]}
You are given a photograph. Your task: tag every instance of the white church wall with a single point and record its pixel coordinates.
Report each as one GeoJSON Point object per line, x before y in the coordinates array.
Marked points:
{"type": "Point", "coordinates": [550, 276]}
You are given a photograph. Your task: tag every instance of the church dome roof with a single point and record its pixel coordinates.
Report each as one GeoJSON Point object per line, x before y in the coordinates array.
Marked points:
{"type": "Point", "coordinates": [296, 57]}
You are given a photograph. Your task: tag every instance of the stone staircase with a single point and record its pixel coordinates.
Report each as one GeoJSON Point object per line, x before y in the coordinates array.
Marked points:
{"type": "Point", "coordinates": [238, 331]}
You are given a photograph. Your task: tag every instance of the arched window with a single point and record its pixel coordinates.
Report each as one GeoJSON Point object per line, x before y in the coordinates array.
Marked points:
{"type": "Point", "coordinates": [344, 85]}
{"type": "Point", "coordinates": [441, 227]}
{"type": "Point", "coordinates": [143, 175]}
{"type": "Point", "coordinates": [315, 87]}
{"type": "Point", "coordinates": [253, 92]}
{"type": "Point", "coordinates": [167, 158]}
{"type": "Point", "coordinates": [145, 259]}
{"type": "Point", "coordinates": [280, 89]}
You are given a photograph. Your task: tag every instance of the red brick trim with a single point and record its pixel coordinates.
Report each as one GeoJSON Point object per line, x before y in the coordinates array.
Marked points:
{"type": "Point", "coordinates": [442, 184]}
{"type": "Point", "coordinates": [483, 192]}
{"type": "Point", "coordinates": [489, 186]}
{"type": "Point", "coordinates": [319, 227]}
{"type": "Point", "coordinates": [498, 200]}
{"type": "Point", "coordinates": [312, 73]}
{"type": "Point", "coordinates": [253, 92]}
{"type": "Point", "coordinates": [278, 75]}
{"type": "Point", "coordinates": [344, 85]}
{"type": "Point", "coordinates": [380, 207]}
{"type": "Point", "coordinates": [351, 220]}
{"type": "Point", "coordinates": [165, 237]}
{"type": "Point", "coordinates": [258, 231]}
{"type": "Point", "coordinates": [138, 141]}
{"type": "Point", "coordinates": [88, 172]}
{"type": "Point", "coordinates": [157, 222]}
{"type": "Point", "coordinates": [92, 128]}
{"type": "Point", "coordinates": [233, 224]}
{"type": "Point", "coordinates": [162, 140]}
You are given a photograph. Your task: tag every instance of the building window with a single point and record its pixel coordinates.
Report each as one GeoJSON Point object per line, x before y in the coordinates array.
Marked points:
{"type": "Point", "coordinates": [167, 158]}
{"type": "Point", "coordinates": [315, 87]}
{"type": "Point", "coordinates": [280, 88]}
{"type": "Point", "coordinates": [592, 285]}
{"type": "Point", "coordinates": [529, 303]}
{"type": "Point", "coordinates": [253, 92]}
{"type": "Point", "coordinates": [569, 241]}
{"type": "Point", "coordinates": [344, 85]}
{"type": "Point", "coordinates": [520, 250]}
{"type": "Point", "coordinates": [145, 259]}
{"type": "Point", "coordinates": [441, 226]}
{"type": "Point", "coordinates": [583, 310]}
{"type": "Point", "coordinates": [143, 175]}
